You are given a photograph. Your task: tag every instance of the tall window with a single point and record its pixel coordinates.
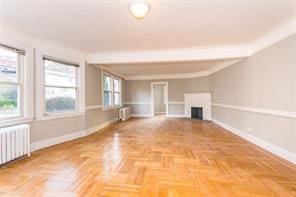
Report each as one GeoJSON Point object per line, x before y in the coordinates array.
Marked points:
{"type": "Point", "coordinates": [111, 91]}
{"type": "Point", "coordinates": [11, 87]}
{"type": "Point", "coordinates": [61, 86]}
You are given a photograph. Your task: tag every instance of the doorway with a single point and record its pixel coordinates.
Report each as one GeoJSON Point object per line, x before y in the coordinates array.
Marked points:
{"type": "Point", "coordinates": [159, 98]}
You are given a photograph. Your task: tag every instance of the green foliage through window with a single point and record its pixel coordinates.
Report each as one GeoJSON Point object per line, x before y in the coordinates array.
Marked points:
{"type": "Point", "coordinates": [8, 103]}
{"type": "Point", "coordinates": [58, 104]}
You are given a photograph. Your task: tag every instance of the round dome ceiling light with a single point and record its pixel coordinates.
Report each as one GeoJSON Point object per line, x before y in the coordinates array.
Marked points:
{"type": "Point", "coordinates": [139, 8]}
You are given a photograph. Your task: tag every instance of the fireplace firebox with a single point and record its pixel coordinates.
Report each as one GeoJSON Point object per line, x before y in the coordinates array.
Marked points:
{"type": "Point", "coordinates": [197, 113]}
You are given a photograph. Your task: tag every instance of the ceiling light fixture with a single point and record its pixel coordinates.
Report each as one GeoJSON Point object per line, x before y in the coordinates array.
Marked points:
{"type": "Point", "coordinates": [139, 8]}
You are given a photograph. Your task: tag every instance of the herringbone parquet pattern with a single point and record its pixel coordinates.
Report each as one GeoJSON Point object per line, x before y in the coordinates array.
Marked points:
{"type": "Point", "coordinates": [151, 157]}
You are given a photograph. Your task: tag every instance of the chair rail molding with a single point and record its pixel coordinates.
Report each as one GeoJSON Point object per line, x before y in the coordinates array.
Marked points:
{"type": "Point", "coordinates": [287, 114]}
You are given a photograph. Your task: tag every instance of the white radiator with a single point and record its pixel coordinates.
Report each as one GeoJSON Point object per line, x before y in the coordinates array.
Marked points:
{"type": "Point", "coordinates": [124, 113]}
{"type": "Point", "coordinates": [14, 142]}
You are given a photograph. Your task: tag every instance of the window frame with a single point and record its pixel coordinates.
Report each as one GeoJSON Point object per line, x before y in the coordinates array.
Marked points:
{"type": "Point", "coordinates": [119, 92]}
{"type": "Point", "coordinates": [113, 106]}
{"type": "Point", "coordinates": [41, 113]}
{"type": "Point", "coordinates": [25, 82]}
{"type": "Point", "coordinates": [76, 87]}
{"type": "Point", "coordinates": [19, 84]}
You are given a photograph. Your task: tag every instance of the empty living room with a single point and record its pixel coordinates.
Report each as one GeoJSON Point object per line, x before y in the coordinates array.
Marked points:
{"type": "Point", "coordinates": [147, 98]}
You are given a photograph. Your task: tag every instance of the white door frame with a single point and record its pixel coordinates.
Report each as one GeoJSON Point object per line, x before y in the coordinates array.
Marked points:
{"type": "Point", "coordinates": [166, 96]}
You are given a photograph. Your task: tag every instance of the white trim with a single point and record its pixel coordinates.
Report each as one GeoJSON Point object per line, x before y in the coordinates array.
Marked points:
{"type": "Point", "coordinates": [216, 68]}
{"type": "Point", "coordinates": [141, 115]}
{"type": "Point", "coordinates": [101, 126]}
{"type": "Point", "coordinates": [112, 76]}
{"type": "Point", "coordinates": [40, 83]}
{"type": "Point", "coordinates": [68, 137]}
{"type": "Point", "coordinates": [39, 44]}
{"type": "Point", "coordinates": [286, 114]}
{"type": "Point", "coordinates": [26, 78]}
{"type": "Point", "coordinates": [110, 70]}
{"type": "Point", "coordinates": [283, 153]}
{"type": "Point", "coordinates": [137, 103]}
{"type": "Point", "coordinates": [91, 107]}
{"type": "Point", "coordinates": [60, 115]}
{"type": "Point", "coordinates": [56, 140]}
{"type": "Point", "coordinates": [169, 76]}
{"type": "Point", "coordinates": [223, 65]}
{"type": "Point", "coordinates": [16, 121]}
{"type": "Point", "coordinates": [170, 55]}
{"type": "Point", "coordinates": [198, 100]}
{"type": "Point", "coordinates": [166, 95]}
{"type": "Point", "coordinates": [176, 103]}
{"type": "Point", "coordinates": [282, 31]}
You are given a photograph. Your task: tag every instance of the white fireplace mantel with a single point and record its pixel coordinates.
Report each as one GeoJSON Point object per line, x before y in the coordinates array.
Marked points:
{"type": "Point", "coordinates": [198, 100]}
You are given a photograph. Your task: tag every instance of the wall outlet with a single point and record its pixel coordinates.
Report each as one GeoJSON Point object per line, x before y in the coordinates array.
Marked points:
{"type": "Point", "coordinates": [250, 130]}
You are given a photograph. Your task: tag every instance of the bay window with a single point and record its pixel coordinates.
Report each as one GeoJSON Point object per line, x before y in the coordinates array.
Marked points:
{"type": "Point", "coordinates": [111, 91]}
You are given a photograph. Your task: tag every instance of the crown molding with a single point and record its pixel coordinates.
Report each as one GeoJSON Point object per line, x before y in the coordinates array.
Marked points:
{"type": "Point", "coordinates": [110, 70]}
{"type": "Point", "coordinates": [168, 76]}
{"type": "Point", "coordinates": [41, 45]}
{"type": "Point", "coordinates": [170, 55]}
{"type": "Point", "coordinates": [223, 65]}
{"type": "Point", "coordinates": [279, 33]}
{"type": "Point", "coordinates": [185, 75]}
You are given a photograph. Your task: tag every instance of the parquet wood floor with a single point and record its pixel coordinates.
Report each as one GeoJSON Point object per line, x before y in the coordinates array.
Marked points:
{"type": "Point", "coordinates": [151, 157]}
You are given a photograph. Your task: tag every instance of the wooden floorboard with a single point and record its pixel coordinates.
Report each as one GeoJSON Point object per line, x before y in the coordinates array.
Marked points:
{"type": "Point", "coordinates": [151, 157]}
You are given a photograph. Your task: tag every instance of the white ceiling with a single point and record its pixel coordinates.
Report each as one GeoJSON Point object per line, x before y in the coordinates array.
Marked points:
{"type": "Point", "coordinates": [107, 25]}
{"type": "Point", "coordinates": [196, 33]}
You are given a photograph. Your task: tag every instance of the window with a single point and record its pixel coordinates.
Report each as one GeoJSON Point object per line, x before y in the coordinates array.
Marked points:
{"type": "Point", "coordinates": [111, 91]}
{"type": "Point", "coordinates": [11, 84]}
{"type": "Point", "coordinates": [116, 91]}
{"type": "Point", "coordinates": [61, 86]}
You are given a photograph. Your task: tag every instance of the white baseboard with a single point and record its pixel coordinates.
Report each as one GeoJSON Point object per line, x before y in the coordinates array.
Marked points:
{"type": "Point", "coordinates": [56, 140]}
{"type": "Point", "coordinates": [72, 136]}
{"type": "Point", "coordinates": [141, 115]}
{"type": "Point", "coordinates": [283, 153]}
{"type": "Point", "coordinates": [101, 126]}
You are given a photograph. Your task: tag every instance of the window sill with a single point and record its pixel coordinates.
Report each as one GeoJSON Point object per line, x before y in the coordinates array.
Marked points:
{"type": "Point", "coordinates": [14, 121]}
{"type": "Point", "coordinates": [61, 115]}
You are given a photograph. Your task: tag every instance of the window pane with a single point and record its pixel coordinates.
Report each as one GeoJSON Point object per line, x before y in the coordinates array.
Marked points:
{"type": "Point", "coordinates": [8, 65]}
{"type": "Point", "coordinates": [116, 99]}
{"type": "Point", "coordinates": [9, 97]}
{"type": "Point", "coordinates": [107, 99]}
{"type": "Point", "coordinates": [57, 74]}
{"type": "Point", "coordinates": [116, 85]}
{"type": "Point", "coordinates": [107, 83]}
{"type": "Point", "coordinates": [60, 99]}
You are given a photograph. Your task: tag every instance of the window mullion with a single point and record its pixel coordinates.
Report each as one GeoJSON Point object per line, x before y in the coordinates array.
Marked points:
{"type": "Point", "coordinates": [10, 83]}
{"type": "Point", "coordinates": [66, 87]}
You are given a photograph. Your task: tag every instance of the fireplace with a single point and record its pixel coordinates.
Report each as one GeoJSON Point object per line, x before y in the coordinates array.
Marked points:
{"type": "Point", "coordinates": [197, 113]}
{"type": "Point", "coordinates": [198, 100]}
